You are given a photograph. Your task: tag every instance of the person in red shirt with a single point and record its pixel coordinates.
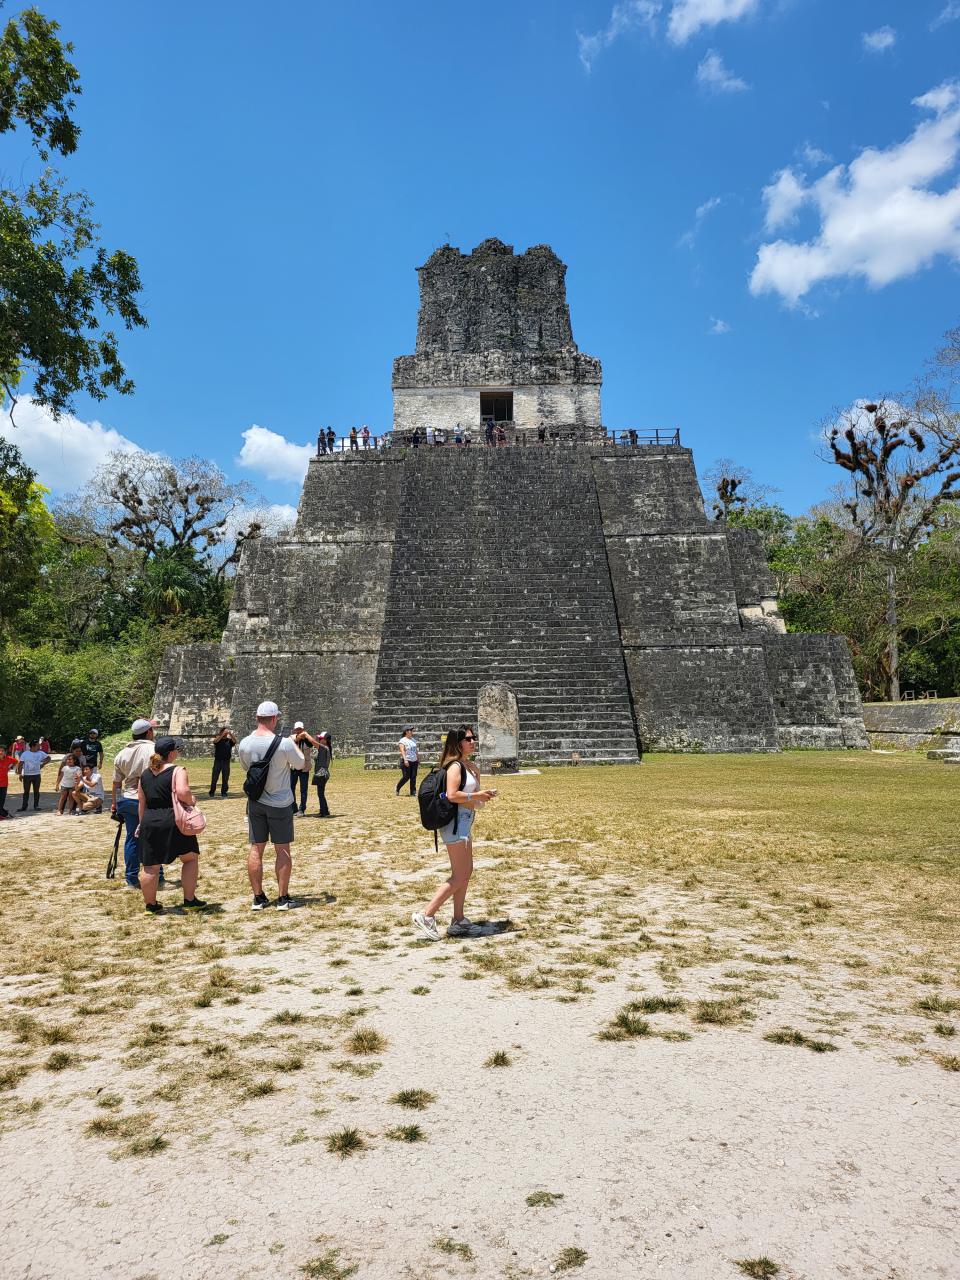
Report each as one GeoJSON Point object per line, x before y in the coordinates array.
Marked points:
{"type": "Point", "coordinates": [7, 762]}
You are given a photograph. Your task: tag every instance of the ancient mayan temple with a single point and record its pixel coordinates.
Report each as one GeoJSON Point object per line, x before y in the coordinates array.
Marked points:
{"type": "Point", "coordinates": [567, 591]}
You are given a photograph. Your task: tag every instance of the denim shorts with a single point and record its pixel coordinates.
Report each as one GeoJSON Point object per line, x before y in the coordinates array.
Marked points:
{"type": "Point", "coordinates": [464, 824]}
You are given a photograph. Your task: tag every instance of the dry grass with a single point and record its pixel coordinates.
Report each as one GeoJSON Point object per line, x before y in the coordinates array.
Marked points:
{"type": "Point", "coordinates": [752, 894]}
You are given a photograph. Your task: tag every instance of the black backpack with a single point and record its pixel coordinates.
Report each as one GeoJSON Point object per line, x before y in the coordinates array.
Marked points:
{"type": "Point", "coordinates": [256, 779]}
{"type": "Point", "coordinates": [435, 809]}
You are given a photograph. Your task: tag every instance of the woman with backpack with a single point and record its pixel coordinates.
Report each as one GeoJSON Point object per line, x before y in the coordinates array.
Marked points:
{"type": "Point", "coordinates": [462, 787]}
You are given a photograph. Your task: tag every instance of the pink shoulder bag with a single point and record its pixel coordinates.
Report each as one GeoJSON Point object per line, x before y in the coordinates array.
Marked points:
{"type": "Point", "coordinates": [188, 817]}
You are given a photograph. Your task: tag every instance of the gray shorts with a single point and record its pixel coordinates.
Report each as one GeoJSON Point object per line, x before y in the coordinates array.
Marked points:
{"type": "Point", "coordinates": [464, 824]}
{"type": "Point", "coordinates": [269, 822]}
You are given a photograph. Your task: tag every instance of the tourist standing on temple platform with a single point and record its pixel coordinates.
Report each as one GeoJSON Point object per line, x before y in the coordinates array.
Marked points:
{"type": "Point", "coordinates": [223, 745]}
{"type": "Point", "coordinates": [7, 762]}
{"type": "Point", "coordinates": [321, 443]}
{"type": "Point", "coordinates": [91, 748]}
{"type": "Point", "coordinates": [501, 436]}
{"type": "Point", "coordinates": [306, 742]}
{"type": "Point", "coordinates": [365, 436]}
{"type": "Point", "coordinates": [463, 790]}
{"type": "Point", "coordinates": [270, 815]}
{"type": "Point", "coordinates": [321, 772]}
{"type": "Point", "coordinates": [541, 434]}
{"type": "Point", "coordinates": [161, 840]}
{"type": "Point", "coordinates": [458, 434]}
{"type": "Point", "coordinates": [431, 437]}
{"type": "Point", "coordinates": [29, 767]}
{"type": "Point", "coordinates": [409, 761]}
{"type": "Point", "coordinates": [354, 440]}
{"type": "Point", "coordinates": [69, 774]}
{"type": "Point", "coordinates": [331, 439]}
{"type": "Point", "coordinates": [128, 765]}
{"type": "Point", "coordinates": [488, 433]}
{"type": "Point", "coordinates": [467, 437]}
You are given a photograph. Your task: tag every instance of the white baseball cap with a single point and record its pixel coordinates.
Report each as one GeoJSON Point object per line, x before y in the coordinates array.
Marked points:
{"type": "Point", "coordinates": [298, 724]}
{"type": "Point", "coordinates": [267, 709]}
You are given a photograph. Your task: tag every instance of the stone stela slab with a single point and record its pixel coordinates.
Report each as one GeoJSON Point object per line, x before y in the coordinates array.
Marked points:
{"type": "Point", "coordinates": [571, 597]}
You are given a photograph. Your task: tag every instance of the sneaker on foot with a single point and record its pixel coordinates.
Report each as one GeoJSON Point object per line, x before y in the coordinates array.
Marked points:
{"type": "Point", "coordinates": [153, 908]}
{"type": "Point", "coordinates": [464, 929]}
{"type": "Point", "coordinates": [259, 902]}
{"type": "Point", "coordinates": [427, 925]}
{"type": "Point", "coordinates": [194, 904]}
{"type": "Point", "coordinates": [284, 902]}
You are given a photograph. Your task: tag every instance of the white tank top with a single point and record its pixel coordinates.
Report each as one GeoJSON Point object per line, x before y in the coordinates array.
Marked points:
{"type": "Point", "coordinates": [470, 785]}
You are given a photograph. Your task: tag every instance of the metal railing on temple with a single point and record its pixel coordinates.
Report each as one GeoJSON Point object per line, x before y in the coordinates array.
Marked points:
{"type": "Point", "coordinates": [509, 437]}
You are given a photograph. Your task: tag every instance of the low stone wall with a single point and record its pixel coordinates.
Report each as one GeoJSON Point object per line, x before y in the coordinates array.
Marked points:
{"type": "Point", "coordinates": [914, 726]}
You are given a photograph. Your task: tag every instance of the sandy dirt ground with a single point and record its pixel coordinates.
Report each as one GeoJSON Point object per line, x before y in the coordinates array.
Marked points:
{"type": "Point", "coordinates": [171, 1086]}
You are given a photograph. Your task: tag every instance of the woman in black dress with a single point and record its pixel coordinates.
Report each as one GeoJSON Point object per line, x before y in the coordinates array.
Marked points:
{"type": "Point", "coordinates": [161, 840]}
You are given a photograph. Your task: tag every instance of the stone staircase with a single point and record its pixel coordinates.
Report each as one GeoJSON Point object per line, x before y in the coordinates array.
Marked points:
{"type": "Point", "coordinates": [486, 590]}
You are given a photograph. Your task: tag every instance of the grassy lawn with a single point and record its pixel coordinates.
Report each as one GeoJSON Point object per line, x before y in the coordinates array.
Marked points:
{"type": "Point", "coordinates": [807, 898]}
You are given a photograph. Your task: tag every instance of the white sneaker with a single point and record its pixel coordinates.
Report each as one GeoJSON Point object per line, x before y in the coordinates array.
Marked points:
{"type": "Point", "coordinates": [464, 929]}
{"type": "Point", "coordinates": [427, 925]}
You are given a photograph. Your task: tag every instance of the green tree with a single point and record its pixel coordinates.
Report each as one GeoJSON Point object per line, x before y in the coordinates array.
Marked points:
{"type": "Point", "coordinates": [57, 282]}
{"type": "Point", "coordinates": [26, 531]}
{"type": "Point", "coordinates": [903, 463]}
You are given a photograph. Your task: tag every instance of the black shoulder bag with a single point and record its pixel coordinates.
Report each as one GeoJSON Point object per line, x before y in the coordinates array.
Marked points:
{"type": "Point", "coordinates": [256, 779]}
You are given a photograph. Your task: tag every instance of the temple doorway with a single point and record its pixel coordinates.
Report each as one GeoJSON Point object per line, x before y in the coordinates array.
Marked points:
{"type": "Point", "coordinates": [496, 406]}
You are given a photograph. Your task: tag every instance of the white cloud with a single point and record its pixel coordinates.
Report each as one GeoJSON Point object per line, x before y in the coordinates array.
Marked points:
{"type": "Point", "coordinates": [689, 238]}
{"type": "Point", "coordinates": [64, 454]}
{"type": "Point", "coordinates": [883, 217]}
{"type": "Point", "coordinates": [783, 199]}
{"type": "Point", "coordinates": [813, 156]}
{"type": "Point", "coordinates": [879, 41]}
{"type": "Point", "coordinates": [276, 517]}
{"type": "Point", "coordinates": [715, 76]}
{"type": "Point", "coordinates": [273, 455]}
{"type": "Point", "coordinates": [950, 14]}
{"type": "Point", "coordinates": [625, 16]}
{"type": "Point", "coordinates": [718, 326]}
{"type": "Point", "coordinates": [687, 17]}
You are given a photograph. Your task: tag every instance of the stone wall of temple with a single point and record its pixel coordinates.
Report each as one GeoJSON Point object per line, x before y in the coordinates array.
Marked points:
{"type": "Point", "coordinates": [494, 321]}
{"type": "Point", "coordinates": [493, 300]}
{"type": "Point", "coordinates": [586, 580]}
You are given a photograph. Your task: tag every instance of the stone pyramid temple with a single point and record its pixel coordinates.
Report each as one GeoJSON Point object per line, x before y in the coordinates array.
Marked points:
{"type": "Point", "coordinates": [554, 582]}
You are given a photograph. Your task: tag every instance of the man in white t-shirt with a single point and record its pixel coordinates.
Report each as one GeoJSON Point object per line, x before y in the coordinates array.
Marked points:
{"type": "Point", "coordinates": [270, 817]}
{"type": "Point", "coordinates": [129, 763]}
{"type": "Point", "coordinates": [409, 761]}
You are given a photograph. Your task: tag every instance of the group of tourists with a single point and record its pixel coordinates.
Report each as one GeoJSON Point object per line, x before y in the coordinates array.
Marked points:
{"type": "Point", "coordinates": [327, 440]}
{"type": "Point", "coordinates": [317, 754]}
{"type": "Point", "coordinates": [79, 783]}
{"type": "Point", "coordinates": [151, 796]}
{"type": "Point", "coordinates": [152, 799]}
{"type": "Point", "coordinates": [494, 436]}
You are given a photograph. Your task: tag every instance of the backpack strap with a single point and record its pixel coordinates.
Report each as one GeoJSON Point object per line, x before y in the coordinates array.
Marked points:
{"type": "Point", "coordinates": [272, 748]}
{"type": "Point", "coordinates": [463, 783]}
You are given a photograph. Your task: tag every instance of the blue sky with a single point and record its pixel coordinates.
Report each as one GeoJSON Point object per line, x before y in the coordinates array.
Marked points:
{"type": "Point", "coordinates": [739, 259]}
